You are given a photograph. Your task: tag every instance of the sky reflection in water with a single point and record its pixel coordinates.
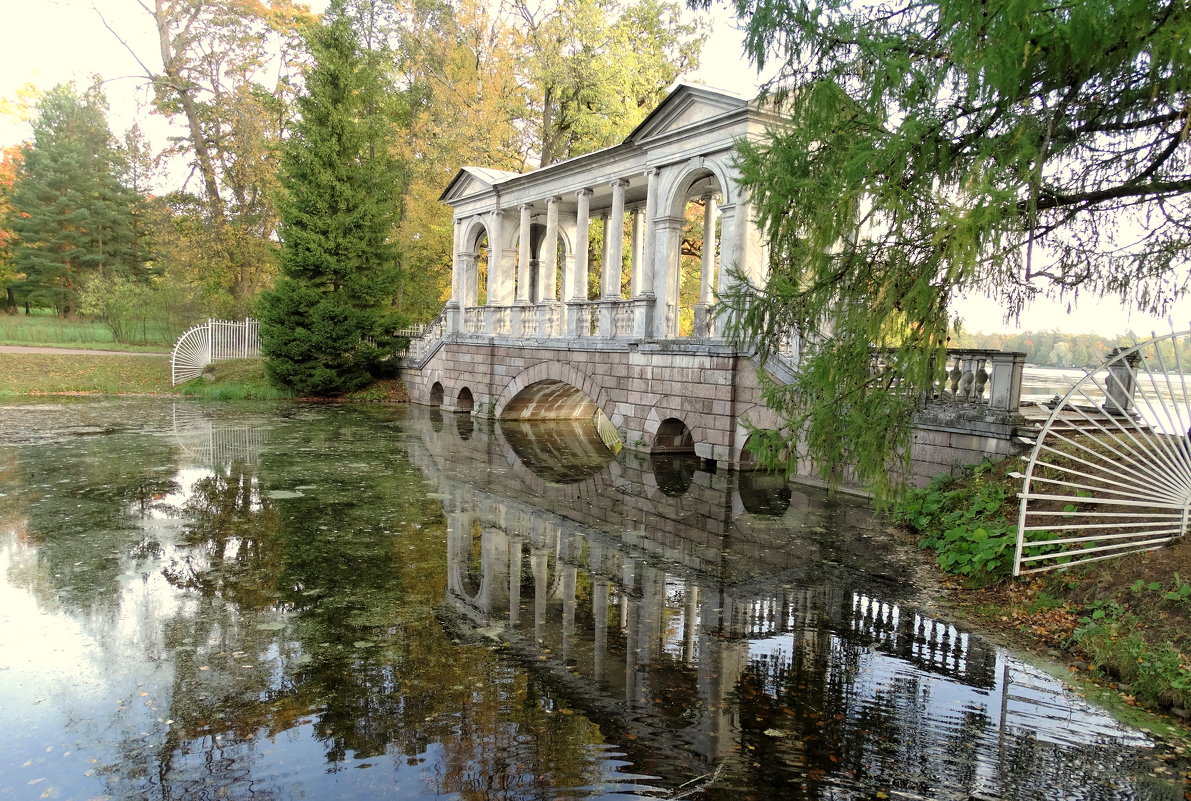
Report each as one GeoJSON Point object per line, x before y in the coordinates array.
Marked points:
{"type": "Point", "coordinates": [289, 601]}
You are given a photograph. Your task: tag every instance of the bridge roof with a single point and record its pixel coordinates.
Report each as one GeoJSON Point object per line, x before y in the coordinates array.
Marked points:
{"type": "Point", "coordinates": [688, 109]}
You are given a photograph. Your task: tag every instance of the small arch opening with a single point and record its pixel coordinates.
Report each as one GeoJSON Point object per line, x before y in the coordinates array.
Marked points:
{"type": "Point", "coordinates": [464, 402]}
{"type": "Point", "coordinates": [674, 472]}
{"type": "Point", "coordinates": [465, 424]}
{"type": "Point", "coordinates": [436, 394]}
{"type": "Point", "coordinates": [673, 436]}
{"type": "Point", "coordinates": [763, 493]}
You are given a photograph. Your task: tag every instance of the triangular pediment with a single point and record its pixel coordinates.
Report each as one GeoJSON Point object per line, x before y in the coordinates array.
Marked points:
{"type": "Point", "coordinates": [473, 181]}
{"type": "Point", "coordinates": [688, 106]}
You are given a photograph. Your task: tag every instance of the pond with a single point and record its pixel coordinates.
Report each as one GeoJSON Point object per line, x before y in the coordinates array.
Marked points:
{"type": "Point", "coordinates": [282, 601]}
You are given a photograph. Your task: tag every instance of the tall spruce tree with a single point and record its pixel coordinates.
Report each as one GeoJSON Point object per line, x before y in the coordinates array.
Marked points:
{"type": "Point", "coordinates": [324, 325]}
{"type": "Point", "coordinates": [71, 216]}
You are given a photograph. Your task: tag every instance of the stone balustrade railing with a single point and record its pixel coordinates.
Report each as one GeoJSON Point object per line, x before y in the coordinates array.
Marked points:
{"type": "Point", "coordinates": [989, 378]}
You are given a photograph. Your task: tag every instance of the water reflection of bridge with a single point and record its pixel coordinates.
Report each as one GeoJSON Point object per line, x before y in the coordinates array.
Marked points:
{"type": "Point", "coordinates": [635, 588]}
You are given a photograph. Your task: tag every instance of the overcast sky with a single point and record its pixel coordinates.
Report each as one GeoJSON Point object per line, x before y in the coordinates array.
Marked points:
{"type": "Point", "coordinates": [45, 42]}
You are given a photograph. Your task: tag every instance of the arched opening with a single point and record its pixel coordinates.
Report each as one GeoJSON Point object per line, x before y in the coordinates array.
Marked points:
{"type": "Point", "coordinates": [673, 436]}
{"type": "Point", "coordinates": [465, 425]}
{"type": "Point", "coordinates": [698, 267]}
{"type": "Point", "coordinates": [480, 293]}
{"type": "Point", "coordinates": [550, 399]}
{"type": "Point", "coordinates": [464, 402]}
{"type": "Point", "coordinates": [436, 394]}
{"type": "Point", "coordinates": [474, 288]}
{"type": "Point", "coordinates": [764, 493]}
{"type": "Point", "coordinates": [674, 472]}
{"type": "Point", "coordinates": [765, 449]}
{"type": "Point", "coordinates": [673, 457]}
{"type": "Point", "coordinates": [686, 284]}
{"type": "Point", "coordinates": [557, 451]}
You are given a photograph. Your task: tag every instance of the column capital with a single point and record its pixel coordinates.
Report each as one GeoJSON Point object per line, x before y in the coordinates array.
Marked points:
{"type": "Point", "coordinates": [619, 182]}
{"type": "Point", "coordinates": [525, 207]}
{"type": "Point", "coordinates": [553, 200]}
{"type": "Point", "coordinates": [651, 172]}
{"type": "Point", "coordinates": [585, 192]}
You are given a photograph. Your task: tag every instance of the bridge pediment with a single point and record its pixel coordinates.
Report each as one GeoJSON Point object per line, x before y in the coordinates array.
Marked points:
{"type": "Point", "coordinates": [687, 106]}
{"type": "Point", "coordinates": [473, 181]}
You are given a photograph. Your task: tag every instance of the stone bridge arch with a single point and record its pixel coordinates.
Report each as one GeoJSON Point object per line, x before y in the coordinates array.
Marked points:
{"type": "Point", "coordinates": [673, 407]}
{"type": "Point", "coordinates": [552, 390]}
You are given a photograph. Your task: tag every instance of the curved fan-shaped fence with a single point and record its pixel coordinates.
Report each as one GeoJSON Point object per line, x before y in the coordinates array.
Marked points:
{"type": "Point", "coordinates": [1110, 471]}
{"type": "Point", "coordinates": [213, 341]}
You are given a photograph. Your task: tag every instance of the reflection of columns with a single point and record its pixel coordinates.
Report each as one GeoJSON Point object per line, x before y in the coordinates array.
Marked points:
{"type": "Point", "coordinates": [582, 242]}
{"type": "Point", "coordinates": [568, 609]}
{"type": "Point", "coordinates": [599, 611]}
{"type": "Point", "coordinates": [548, 261]}
{"type": "Point", "coordinates": [523, 257]}
{"type": "Point", "coordinates": [514, 582]}
{"type": "Point", "coordinates": [688, 623]}
{"type": "Point", "coordinates": [615, 239]}
{"type": "Point", "coordinates": [538, 560]}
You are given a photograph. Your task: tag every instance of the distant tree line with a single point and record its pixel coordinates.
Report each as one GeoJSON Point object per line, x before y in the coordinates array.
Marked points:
{"type": "Point", "coordinates": [1056, 349]}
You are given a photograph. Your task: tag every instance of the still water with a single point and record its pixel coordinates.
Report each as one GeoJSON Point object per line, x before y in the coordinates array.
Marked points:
{"type": "Point", "coordinates": [293, 601]}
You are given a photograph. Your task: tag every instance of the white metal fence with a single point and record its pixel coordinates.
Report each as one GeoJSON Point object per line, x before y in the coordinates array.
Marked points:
{"type": "Point", "coordinates": [213, 341]}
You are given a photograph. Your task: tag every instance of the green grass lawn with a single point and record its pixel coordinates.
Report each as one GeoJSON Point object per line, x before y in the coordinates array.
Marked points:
{"type": "Point", "coordinates": [45, 329]}
{"type": "Point", "coordinates": [32, 374]}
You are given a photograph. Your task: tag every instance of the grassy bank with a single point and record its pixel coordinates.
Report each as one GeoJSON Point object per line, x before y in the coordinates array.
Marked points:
{"type": "Point", "coordinates": [236, 379]}
{"type": "Point", "coordinates": [44, 329]}
{"type": "Point", "coordinates": [24, 374]}
{"type": "Point", "coordinates": [39, 374]}
{"type": "Point", "coordinates": [1123, 623]}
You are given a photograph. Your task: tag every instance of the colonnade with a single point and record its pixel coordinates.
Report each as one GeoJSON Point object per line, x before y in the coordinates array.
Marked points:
{"type": "Point", "coordinates": [538, 271]}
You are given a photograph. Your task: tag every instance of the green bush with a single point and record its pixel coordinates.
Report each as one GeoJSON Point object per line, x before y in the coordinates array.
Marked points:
{"type": "Point", "coordinates": [964, 523]}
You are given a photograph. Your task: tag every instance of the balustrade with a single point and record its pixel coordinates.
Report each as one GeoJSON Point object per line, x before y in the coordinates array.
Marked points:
{"type": "Point", "coordinates": [623, 315]}
{"type": "Point", "coordinates": [989, 378]}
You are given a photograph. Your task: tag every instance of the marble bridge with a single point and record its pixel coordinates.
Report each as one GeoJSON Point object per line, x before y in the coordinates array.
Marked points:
{"type": "Point", "coordinates": [587, 289]}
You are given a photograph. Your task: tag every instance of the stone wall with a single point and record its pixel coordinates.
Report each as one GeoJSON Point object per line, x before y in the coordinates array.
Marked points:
{"type": "Point", "coordinates": [707, 385]}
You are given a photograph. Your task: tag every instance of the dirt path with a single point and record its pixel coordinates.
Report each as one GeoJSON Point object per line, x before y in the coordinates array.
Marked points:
{"type": "Point", "coordinates": [79, 351]}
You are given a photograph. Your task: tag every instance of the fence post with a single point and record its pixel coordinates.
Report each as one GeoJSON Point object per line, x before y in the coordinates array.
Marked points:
{"type": "Point", "coordinates": [1005, 372]}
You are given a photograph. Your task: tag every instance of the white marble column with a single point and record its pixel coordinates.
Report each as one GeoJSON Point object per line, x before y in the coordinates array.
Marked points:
{"type": "Point", "coordinates": [709, 243]}
{"type": "Point", "coordinates": [637, 258]}
{"type": "Point", "coordinates": [548, 258]}
{"type": "Point", "coordinates": [667, 232]}
{"type": "Point", "coordinates": [582, 243]}
{"type": "Point", "coordinates": [651, 210]}
{"type": "Point", "coordinates": [523, 256]}
{"type": "Point", "coordinates": [454, 315]}
{"type": "Point", "coordinates": [615, 241]}
{"type": "Point", "coordinates": [500, 284]}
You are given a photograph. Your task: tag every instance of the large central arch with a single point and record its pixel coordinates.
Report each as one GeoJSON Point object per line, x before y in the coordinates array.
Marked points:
{"type": "Point", "coordinates": [551, 390]}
